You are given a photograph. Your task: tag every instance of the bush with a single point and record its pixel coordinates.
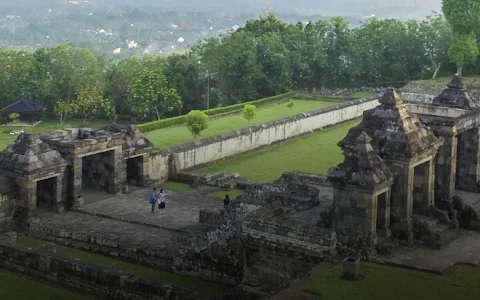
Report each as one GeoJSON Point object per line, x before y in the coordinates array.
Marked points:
{"type": "Point", "coordinates": [154, 125]}
{"type": "Point", "coordinates": [197, 121]}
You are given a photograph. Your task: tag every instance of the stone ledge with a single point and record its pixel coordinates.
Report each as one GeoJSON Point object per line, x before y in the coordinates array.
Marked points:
{"type": "Point", "coordinates": [96, 279]}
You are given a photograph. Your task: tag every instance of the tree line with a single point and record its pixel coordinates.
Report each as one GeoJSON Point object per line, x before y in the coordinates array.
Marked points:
{"type": "Point", "coordinates": [265, 57]}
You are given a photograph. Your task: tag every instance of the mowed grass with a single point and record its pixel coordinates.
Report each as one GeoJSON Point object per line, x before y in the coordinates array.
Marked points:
{"type": "Point", "coordinates": [382, 282]}
{"type": "Point", "coordinates": [314, 153]}
{"type": "Point", "coordinates": [444, 80]}
{"type": "Point", "coordinates": [361, 94]}
{"type": "Point", "coordinates": [177, 135]}
{"type": "Point", "coordinates": [194, 284]}
{"type": "Point", "coordinates": [45, 126]}
{"type": "Point", "coordinates": [14, 287]}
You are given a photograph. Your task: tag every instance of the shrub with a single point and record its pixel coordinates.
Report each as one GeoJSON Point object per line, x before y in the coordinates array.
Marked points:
{"type": "Point", "coordinates": [290, 104]}
{"type": "Point", "coordinates": [249, 112]}
{"type": "Point", "coordinates": [197, 121]}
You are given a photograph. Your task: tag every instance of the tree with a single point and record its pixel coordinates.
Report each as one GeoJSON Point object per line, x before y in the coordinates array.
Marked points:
{"type": "Point", "coordinates": [464, 18]}
{"type": "Point", "coordinates": [150, 91]}
{"type": "Point", "coordinates": [197, 121]}
{"type": "Point", "coordinates": [436, 36]}
{"type": "Point", "coordinates": [290, 103]}
{"type": "Point", "coordinates": [463, 50]}
{"type": "Point", "coordinates": [109, 109]}
{"type": "Point", "coordinates": [88, 102]}
{"type": "Point", "coordinates": [14, 118]}
{"type": "Point", "coordinates": [249, 112]}
{"type": "Point", "coordinates": [62, 109]}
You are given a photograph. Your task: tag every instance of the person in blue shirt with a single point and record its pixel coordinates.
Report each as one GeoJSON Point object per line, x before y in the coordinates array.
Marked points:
{"type": "Point", "coordinates": [153, 199]}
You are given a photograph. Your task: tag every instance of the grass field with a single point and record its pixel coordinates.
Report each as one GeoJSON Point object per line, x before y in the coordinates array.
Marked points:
{"type": "Point", "coordinates": [444, 80]}
{"type": "Point", "coordinates": [15, 287]}
{"type": "Point", "coordinates": [171, 136]}
{"type": "Point", "coordinates": [314, 153]}
{"type": "Point", "coordinates": [362, 94]}
{"type": "Point", "coordinates": [175, 186]}
{"type": "Point", "coordinates": [45, 126]}
{"type": "Point", "coordinates": [198, 285]}
{"type": "Point", "coordinates": [381, 282]}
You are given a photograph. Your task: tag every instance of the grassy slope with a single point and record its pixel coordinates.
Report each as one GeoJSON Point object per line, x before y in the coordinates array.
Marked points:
{"type": "Point", "coordinates": [381, 282]}
{"type": "Point", "coordinates": [201, 286]}
{"type": "Point", "coordinates": [314, 153]}
{"type": "Point", "coordinates": [16, 287]}
{"type": "Point", "coordinates": [177, 135]}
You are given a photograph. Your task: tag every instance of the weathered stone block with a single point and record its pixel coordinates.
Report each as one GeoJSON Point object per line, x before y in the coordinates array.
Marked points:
{"type": "Point", "coordinates": [351, 268]}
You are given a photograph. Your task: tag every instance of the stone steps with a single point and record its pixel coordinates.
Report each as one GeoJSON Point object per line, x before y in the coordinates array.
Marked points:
{"type": "Point", "coordinates": [431, 232]}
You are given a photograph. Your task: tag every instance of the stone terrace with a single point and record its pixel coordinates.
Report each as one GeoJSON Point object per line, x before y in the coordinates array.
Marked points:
{"type": "Point", "coordinates": [181, 212]}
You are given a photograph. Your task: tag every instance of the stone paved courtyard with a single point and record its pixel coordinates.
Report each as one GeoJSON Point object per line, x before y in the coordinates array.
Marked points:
{"type": "Point", "coordinates": [181, 212]}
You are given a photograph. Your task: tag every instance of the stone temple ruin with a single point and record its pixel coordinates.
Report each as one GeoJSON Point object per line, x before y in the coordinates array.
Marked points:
{"type": "Point", "coordinates": [409, 178]}
{"type": "Point", "coordinates": [55, 170]}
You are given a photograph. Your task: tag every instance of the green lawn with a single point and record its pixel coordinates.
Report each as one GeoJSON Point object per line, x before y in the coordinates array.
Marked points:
{"type": "Point", "coordinates": [194, 284]}
{"type": "Point", "coordinates": [382, 282]}
{"type": "Point", "coordinates": [314, 153]}
{"type": "Point", "coordinates": [171, 136]}
{"type": "Point", "coordinates": [233, 193]}
{"type": "Point", "coordinates": [45, 126]}
{"type": "Point", "coordinates": [15, 287]}
{"type": "Point", "coordinates": [444, 80]}
{"type": "Point", "coordinates": [362, 94]}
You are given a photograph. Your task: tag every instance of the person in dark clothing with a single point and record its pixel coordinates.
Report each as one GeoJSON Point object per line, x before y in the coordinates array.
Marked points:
{"type": "Point", "coordinates": [226, 201]}
{"type": "Point", "coordinates": [153, 199]}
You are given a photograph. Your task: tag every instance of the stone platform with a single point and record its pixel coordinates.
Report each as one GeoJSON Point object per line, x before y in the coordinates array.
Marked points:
{"type": "Point", "coordinates": [124, 225]}
{"type": "Point", "coordinates": [472, 199]}
{"type": "Point", "coordinates": [181, 212]}
{"type": "Point", "coordinates": [465, 250]}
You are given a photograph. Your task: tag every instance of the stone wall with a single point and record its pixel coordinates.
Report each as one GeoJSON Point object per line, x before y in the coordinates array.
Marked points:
{"type": "Point", "coordinates": [98, 280]}
{"type": "Point", "coordinates": [159, 165]}
{"type": "Point", "coordinates": [7, 202]}
{"type": "Point", "coordinates": [233, 143]}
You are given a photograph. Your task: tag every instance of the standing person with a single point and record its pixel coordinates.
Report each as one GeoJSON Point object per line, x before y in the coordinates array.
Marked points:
{"type": "Point", "coordinates": [161, 200]}
{"type": "Point", "coordinates": [153, 199]}
{"type": "Point", "coordinates": [226, 201]}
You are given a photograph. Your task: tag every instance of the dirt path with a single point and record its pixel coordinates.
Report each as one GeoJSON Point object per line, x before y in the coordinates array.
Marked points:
{"type": "Point", "coordinates": [296, 289]}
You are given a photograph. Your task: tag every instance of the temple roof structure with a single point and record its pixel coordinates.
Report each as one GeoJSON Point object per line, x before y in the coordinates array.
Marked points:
{"type": "Point", "coordinates": [394, 131]}
{"type": "Point", "coordinates": [456, 96]}
{"type": "Point", "coordinates": [362, 166]}
{"type": "Point", "coordinates": [28, 154]}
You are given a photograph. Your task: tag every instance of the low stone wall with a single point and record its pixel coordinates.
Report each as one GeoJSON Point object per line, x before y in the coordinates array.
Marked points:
{"type": "Point", "coordinates": [233, 143]}
{"type": "Point", "coordinates": [305, 178]}
{"type": "Point", "coordinates": [98, 280]}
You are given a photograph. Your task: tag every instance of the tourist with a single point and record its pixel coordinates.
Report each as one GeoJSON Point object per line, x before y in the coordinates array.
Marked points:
{"type": "Point", "coordinates": [161, 200]}
{"type": "Point", "coordinates": [226, 201]}
{"type": "Point", "coordinates": [153, 199]}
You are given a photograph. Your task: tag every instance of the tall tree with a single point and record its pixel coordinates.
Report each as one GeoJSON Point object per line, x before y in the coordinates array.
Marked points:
{"type": "Point", "coordinates": [464, 18]}
{"type": "Point", "coordinates": [437, 36]}
{"type": "Point", "coordinates": [149, 92]}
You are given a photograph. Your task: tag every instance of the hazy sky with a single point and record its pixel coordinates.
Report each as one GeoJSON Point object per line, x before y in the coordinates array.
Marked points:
{"type": "Point", "coordinates": [384, 8]}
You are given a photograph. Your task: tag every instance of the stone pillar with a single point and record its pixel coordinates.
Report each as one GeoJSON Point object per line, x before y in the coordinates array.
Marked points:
{"type": "Point", "coordinates": [27, 193]}
{"type": "Point", "coordinates": [77, 182]}
{"type": "Point", "coordinates": [468, 164]}
{"type": "Point", "coordinates": [144, 169]}
{"type": "Point", "coordinates": [402, 203]}
{"type": "Point", "coordinates": [118, 174]}
{"type": "Point", "coordinates": [446, 169]}
{"type": "Point", "coordinates": [60, 204]}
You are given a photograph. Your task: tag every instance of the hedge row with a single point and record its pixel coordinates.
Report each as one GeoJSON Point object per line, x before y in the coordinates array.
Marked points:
{"type": "Point", "coordinates": [154, 125]}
